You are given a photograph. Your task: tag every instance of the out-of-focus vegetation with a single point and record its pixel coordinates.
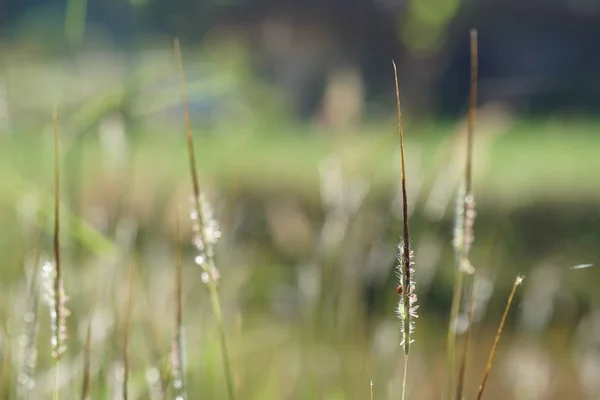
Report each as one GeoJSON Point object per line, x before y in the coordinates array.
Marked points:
{"type": "Point", "coordinates": [310, 215]}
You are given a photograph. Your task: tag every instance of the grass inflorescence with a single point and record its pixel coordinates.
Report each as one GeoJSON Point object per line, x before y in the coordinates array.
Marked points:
{"type": "Point", "coordinates": [407, 305]}
{"type": "Point", "coordinates": [464, 220]}
{"type": "Point", "coordinates": [206, 230]}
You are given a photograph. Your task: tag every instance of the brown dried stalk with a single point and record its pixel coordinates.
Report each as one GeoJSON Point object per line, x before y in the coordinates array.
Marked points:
{"type": "Point", "coordinates": [464, 218]}
{"type": "Point", "coordinates": [55, 295]}
{"type": "Point", "coordinates": [204, 224]}
{"type": "Point", "coordinates": [177, 363]}
{"type": "Point", "coordinates": [127, 331]}
{"type": "Point", "coordinates": [488, 367]}
{"type": "Point", "coordinates": [407, 306]}
{"type": "Point", "coordinates": [60, 313]}
{"type": "Point", "coordinates": [463, 362]}
{"type": "Point", "coordinates": [85, 385]}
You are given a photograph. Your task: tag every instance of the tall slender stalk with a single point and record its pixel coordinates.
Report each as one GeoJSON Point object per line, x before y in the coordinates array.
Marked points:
{"type": "Point", "coordinates": [56, 239]}
{"type": "Point", "coordinates": [463, 360]}
{"type": "Point", "coordinates": [407, 305]}
{"type": "Point", "coordinates": [205, 229]}
{"type": "Point", "coordinates": [25, 380]}
{"type": "Point", "coordinates": [5, 372]}
{"type": "Point", "coordinates": [126, 334]}
{"type": "Point", "coordinates": [464, 219]}
{"type": "Point", "coordinates": [177, 354]}
{"type": "Point", "coordinates": [85, 383]}
{"type": "Point", "coordinates": [56, 296]}
{"type": "Point", "coordinates": [488, 366]}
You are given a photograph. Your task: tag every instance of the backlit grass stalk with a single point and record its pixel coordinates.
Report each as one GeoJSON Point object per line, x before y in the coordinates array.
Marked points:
{"type": "Point", "coordinates": [126, 334]}
{"type": "Point", "coordinates": [85, 384]}
{"type": "Point", "coordinates": [465, 351]}
{"type": "Point", "coordinates": [177, 353]}
{"type": "Point", "coordinates": [490, 361]}
{"type": "Point", "coordinates": [52, 273]}
{"type": "Point", "coordinates": [5, 373]}
{"type": "Point", "coordinates": [206, 230]}
{"type": "Point", "coordinates": [25, 378]}
{"type": "Point", "coordinates": [407, 306]}
{"type": "Point", "coordinates": [464, 219]}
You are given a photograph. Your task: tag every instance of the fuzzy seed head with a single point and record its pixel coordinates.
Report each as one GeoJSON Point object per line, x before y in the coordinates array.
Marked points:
{"type": "Point", "coordinates": [407, 305]}
{"type": "Point", "coordinates": [206, 235]}
{"type": "Point", "coordinates": [177, 362]}
{"type": "Point", "coordinates": [58, 321]}
{"type": "Point", "coordinates": [464, 221]}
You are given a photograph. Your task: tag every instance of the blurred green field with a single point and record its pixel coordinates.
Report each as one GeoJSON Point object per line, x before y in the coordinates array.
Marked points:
{"type": "Point", "coordinates": [307, 281]}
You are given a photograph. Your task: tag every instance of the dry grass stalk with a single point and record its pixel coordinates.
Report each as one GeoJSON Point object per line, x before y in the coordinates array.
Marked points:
{"type": "Point", "coordinates": [28, 358]}
{"type": "Point", "coordinates": [52, 272]}
{"type": "Point", "coordinates": [5, 373]}
{"type": "Point", "coordinates": [85, 384]}
{"type": "Point", "coordinates": [490, 361]}
{"type": "Point", "coordinates": [407, 306]}
{"type": "Point", "coordinates": [177, 353]}
{"type": "Point", "coordinates": [59, 313]}
{"type": "Point", "coordinates": [465, 351]}
{"type": "Point", "coordinates": [238, 354]}
{"type": "Point", "coordinates": [127, 322]}
{"type": "Point", "coordinates": [206, 230]}
{"type": "Point", "coordinates": [464, 218]}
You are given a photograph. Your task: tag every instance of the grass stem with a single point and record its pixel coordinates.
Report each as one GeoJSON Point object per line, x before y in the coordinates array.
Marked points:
{"type": "Point", "coordinates": [404, 378]}
{"type": "Point", "coordinates": [463, 361]}
{"type": "Point", "coordinates": [209, 265]}
{"type": "Point", "coordinates": [126, 361]}
{"type": "Point", "coordinates": [85, 383]}
{"type": "Point", "coordinates": [488, 366]}
{"type": "Point", "coordinates": [464, 219]}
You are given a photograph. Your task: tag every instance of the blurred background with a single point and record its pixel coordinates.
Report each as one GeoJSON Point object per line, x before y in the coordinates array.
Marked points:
{"type": "Point", "coordinates": [293, 113]}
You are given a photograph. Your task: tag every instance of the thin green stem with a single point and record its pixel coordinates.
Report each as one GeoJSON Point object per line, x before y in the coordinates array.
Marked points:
{"type": "Point", "coordinates": [463, 360]}
{"type": "Point", "coordinates": [404, 378]}
{"type": "Point", "coordinates": [56, 379]}
{"type": "Point", "coordinates": [216, 306]}
{"type": "Point", "coordinates": [208, 266]}
{"type": "Point", "coordinates": [488, 367]}
{"type": "Point", "coordinates": [451, 337]}
{"type": "Point", "coordinates": [85, 384]}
